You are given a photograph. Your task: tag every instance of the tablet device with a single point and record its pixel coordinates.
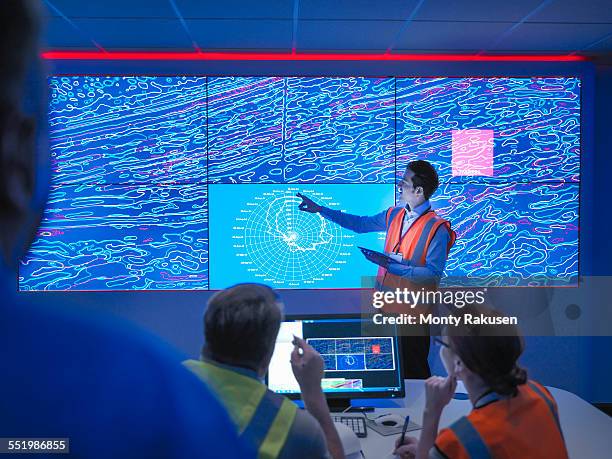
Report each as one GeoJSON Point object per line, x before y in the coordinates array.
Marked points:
{"type": "Point", "coordinates": [374, 254]}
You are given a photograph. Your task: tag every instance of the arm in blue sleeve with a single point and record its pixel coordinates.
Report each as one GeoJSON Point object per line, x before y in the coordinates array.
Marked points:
{"type": "Point", "coordinates": [355, 222]}
{"type": "Point", "coordinates": [435, 260]}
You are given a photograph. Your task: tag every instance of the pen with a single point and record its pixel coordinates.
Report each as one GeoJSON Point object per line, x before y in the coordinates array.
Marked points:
{"type": "Point", "coordinates": [406, 422]}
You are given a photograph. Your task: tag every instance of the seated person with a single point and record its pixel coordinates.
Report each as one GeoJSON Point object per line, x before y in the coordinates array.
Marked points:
{"type": "Point", "coordinates": [511, 417]}
{"type": "Point", "coordinates": [240, 329]}
{"type": "Point", "coordinates": [112, 390]}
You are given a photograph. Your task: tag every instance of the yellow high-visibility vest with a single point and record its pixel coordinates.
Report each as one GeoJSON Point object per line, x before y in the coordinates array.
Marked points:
{"type": "Point", "coordinates": [262, 418]}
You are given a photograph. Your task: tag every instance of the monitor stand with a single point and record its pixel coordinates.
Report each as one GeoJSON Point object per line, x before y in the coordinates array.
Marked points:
{"type": "Point", "coordinates": [343, 405]}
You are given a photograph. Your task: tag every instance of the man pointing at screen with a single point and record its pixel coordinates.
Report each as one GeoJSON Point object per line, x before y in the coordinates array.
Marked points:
{"type": "Point", "coordinates": [417, 242]}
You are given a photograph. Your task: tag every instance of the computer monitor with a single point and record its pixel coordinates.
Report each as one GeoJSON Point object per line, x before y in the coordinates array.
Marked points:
{"type": "Point", "coordinates": [356, 365]}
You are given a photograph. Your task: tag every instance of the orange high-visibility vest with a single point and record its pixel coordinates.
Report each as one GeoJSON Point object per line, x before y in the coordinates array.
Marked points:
{"type": "Point", "coordinates": [525, 426]}
{"type": "Point", "coordinates": [413, 245]}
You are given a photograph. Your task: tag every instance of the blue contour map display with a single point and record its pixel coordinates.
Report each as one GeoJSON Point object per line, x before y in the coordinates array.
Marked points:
{"type": "Point", "coordinates": [119, 130]}
{"type": "Point", "coordinates": [520, 221]}
{"type": "Point", "coordinates": [120, 237]}
{"type": "Point", "coordinates": [301, 130]}
{"type": "Point", "coordinates": [512, 234]}
{"type": "Point", "coordinates": [535, 124]}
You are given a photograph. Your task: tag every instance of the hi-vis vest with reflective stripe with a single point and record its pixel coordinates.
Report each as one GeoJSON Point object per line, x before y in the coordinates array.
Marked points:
{"type": "Point", "coordinates": [414, 243]}
{"type": "Point", "coordinates": [262, 417]}
{"type": "Point", "coordinates": [525, 426]}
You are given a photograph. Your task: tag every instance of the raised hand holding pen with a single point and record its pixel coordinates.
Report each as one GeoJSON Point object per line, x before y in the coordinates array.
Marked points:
{"type": "Point", "coordinates": [308, 367]}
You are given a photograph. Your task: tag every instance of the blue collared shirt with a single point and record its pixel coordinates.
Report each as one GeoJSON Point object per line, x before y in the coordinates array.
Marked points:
{"type": "Point", "coordinates": [435, 260]}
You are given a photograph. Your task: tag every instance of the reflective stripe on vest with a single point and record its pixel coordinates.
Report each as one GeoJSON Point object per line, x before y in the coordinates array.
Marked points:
{"type": "Point", "coordinates": [257, 429]}
{"type": "Point", "coordinates": [550, 405]}
{"type": "Point", "coordinates": [391, 214]}
{"type": "Point", "coordinates": [277, 435]}
{"type": "Point", "coordinates": [471, 440]}
{"type": "Point", "coordinates": [262, 418]}
{"type": "Point", "coordinates": [419, 253]}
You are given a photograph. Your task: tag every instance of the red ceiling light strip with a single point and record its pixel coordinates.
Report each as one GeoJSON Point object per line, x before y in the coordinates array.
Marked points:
{"type": "Point", "coordinates": [206, 56]}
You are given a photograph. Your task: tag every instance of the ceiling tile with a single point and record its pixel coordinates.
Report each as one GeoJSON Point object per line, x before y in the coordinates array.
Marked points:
{"type": "Point", "coordinates": [346, 35]}
{"type": "Point", "coordinates": [603, 44]}
{"type": "Point", "coordinates": [476, 10]}
{"type": "Point", "coordinates": [356, 9]}
{"type": "Point", "coordinates": [596, 11]}
{"type": "Point", "coordinates": [566, 37]}
{"type": "Point", "coordinates": [58, 33]}
{"type": "Point", "coordinates": [238, 9]}
{"type": "Point", "coordinates": [114, 8]}
{"type": "Point", "coordinates": [237, 34]}
{"type": "Point", "coordinates": [367, 26]}
{"type": "Point", "coordinates": [449, 35]}
{"type": "Point", "coordinates": [46, 11]}
{"type": "Point", "coordinates": [135, 33]}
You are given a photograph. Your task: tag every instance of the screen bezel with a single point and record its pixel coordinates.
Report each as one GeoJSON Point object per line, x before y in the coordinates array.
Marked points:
{"type": "Point", "coordinates": [401, 393]}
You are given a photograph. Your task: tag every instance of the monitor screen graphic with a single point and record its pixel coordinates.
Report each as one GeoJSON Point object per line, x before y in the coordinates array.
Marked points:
{"type": "Point", "coordinates": [353, 362]}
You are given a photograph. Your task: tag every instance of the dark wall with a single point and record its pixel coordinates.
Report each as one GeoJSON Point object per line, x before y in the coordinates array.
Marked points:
{"type": "Point", "coordinates": [601, 347]}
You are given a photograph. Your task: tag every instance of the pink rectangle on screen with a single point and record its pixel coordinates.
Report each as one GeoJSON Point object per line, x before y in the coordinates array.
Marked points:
{"type": "Point", "coordinates": [472, 152]}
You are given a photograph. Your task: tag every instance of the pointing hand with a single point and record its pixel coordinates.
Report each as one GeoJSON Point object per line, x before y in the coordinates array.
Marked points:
{"type": "Point", "coordinates": [308, 205]}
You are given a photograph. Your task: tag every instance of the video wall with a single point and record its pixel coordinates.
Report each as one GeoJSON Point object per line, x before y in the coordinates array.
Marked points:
{"type": "Point", "coordinates": [190, 182]}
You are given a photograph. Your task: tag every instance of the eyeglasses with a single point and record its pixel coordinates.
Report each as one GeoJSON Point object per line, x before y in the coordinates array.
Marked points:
{"type": "Point", "coordinates": [441, 343]}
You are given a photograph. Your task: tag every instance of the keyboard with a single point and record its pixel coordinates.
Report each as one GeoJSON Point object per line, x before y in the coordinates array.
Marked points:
{"type": "Point", "coordinates": [356, 424]}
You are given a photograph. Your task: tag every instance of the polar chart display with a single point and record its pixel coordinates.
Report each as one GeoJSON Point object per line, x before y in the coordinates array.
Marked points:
{"type": "Point", "coordinates": [270, 240]}
{"type": "Point", "coordinates": [288, 245]}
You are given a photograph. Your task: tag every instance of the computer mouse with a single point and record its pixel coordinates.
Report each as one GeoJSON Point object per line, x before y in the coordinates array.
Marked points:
{"type": "Point", "coordinates": [390, 420]}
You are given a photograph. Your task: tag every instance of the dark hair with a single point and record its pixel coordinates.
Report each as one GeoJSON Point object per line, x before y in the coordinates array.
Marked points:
{"type": "Point", "coordinates": [492, 352]}
{"type": "Point", "coordinates": [425, 176]}
{"type": "Point", "coordinates": [20, 24]}
{"type": "Point", "coordinates": [241, 324]}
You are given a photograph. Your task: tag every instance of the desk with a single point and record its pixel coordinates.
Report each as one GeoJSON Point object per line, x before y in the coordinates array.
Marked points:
{"type": "Point", "coordinates": [587, 431]}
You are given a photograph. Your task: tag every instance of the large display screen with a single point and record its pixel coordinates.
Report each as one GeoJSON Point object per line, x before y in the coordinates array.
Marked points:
{"type": "Point", "coordinates": [189, 182]}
